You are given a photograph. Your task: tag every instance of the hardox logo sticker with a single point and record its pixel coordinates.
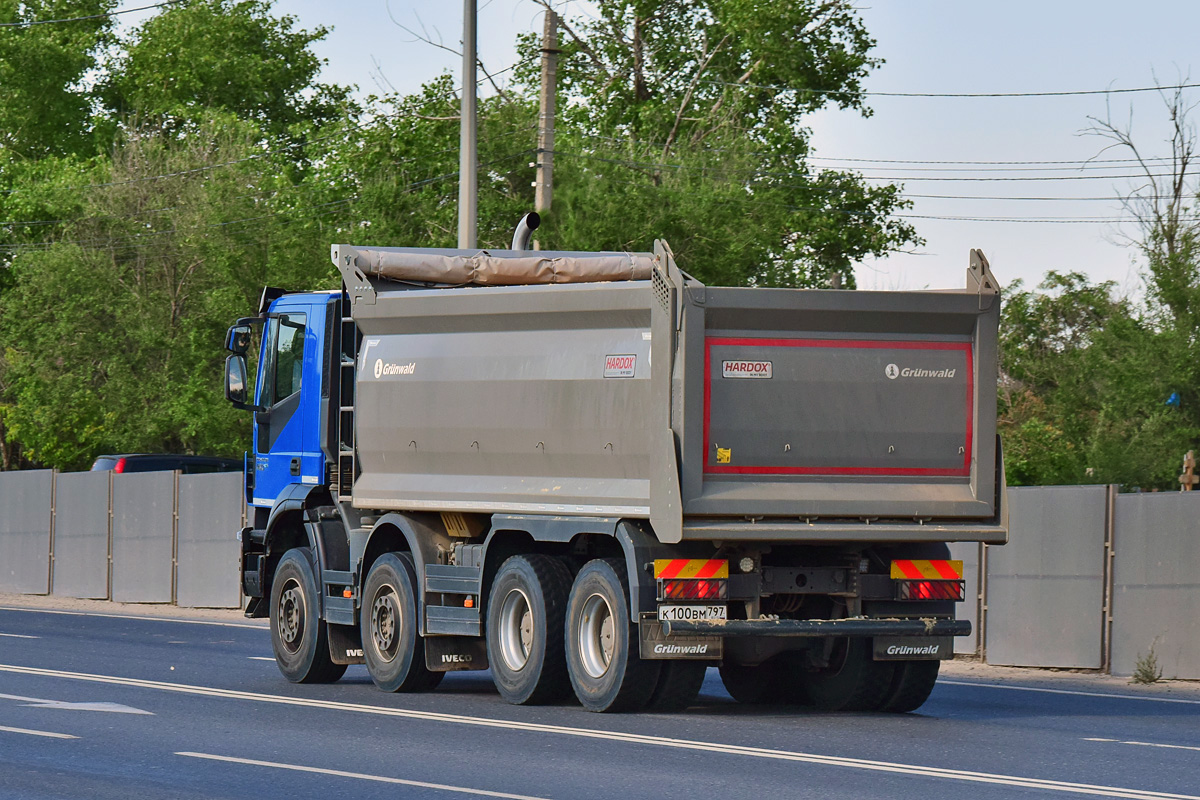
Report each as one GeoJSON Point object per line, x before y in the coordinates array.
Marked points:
{"type": "Point", "coordinates": [620, 366]}
{"type": "Point", "coordinates": [745, 369]}
{"type": "Point", "coordinates": [892, 371]}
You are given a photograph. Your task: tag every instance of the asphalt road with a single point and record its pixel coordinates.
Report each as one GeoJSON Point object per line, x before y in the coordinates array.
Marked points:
{"type": "Point", "coordinates": [96, 706]}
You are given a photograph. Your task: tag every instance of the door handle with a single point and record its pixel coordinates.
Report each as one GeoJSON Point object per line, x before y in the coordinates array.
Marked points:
{"type": "Point", "coordinates": [295, 466]}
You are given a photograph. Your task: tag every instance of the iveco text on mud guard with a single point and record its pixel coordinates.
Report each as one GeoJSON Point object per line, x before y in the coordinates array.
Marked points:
{"type": "Point", "coordinates": [593, 474]}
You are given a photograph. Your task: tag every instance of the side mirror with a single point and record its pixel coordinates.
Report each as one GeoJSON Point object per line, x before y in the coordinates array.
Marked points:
{"type": "Point", "coordinates": [235, 381]}
{"type": "Point", "coordinates": [237, 341]}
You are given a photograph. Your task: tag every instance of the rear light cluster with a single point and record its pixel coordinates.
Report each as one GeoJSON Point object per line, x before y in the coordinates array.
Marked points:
{"type": "Point", "coordinates": [120, 466]}
{"type": "Point", "coordinates": [692, 589]}
{"type": "Point", "coordinates": [930, 590]}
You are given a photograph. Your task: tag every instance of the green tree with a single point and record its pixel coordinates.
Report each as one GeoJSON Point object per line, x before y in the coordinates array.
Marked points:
{"type": "Point", "coordinates": [112, 332]}
{"type": "Point", "coordinates": [1085, 380]}
{"type": "Point", "coordinates": [45, 105]}
{"type": "Point", "coordinates": [223, 55]}
{"type": "Point", "coordinates": [685, 120]}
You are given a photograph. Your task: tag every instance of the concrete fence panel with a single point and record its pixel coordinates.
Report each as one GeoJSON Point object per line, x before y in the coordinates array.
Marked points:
{"type": "Point", "coordinates": [1156, 582]}
{"type": "Point", "coordinates": [1045, 603]}
{"type": "Point", "coordinates": [968, 553]}
{"type": "Point", "coordinates": [210, 514]}
{"type": "Point", "coordinates": [143, 537]}
{"type": "Point", "coordinates": [81, 535]}
{"type": "Point", "coordinates": [26, 502]}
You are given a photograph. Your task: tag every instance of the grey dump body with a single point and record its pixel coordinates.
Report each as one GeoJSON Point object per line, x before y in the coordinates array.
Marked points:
{"type": "Point", "coordinates": [723, 414]}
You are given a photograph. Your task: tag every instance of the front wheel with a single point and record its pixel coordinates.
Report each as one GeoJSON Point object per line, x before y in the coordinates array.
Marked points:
{"type": "Point", "coordinates": [298, 635]}
{"type": "Point", "coordinates": [392, 647]}
{"type": "Point", "coordinates": [607, 673]}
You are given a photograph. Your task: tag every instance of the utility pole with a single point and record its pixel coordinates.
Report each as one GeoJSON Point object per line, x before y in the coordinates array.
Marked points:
{"type": "Point", "coordinates": [1189, 479]}
{"type": "Point", "coordinates": [544, 186]}
{"type": "Point", "coordinates": [468, 197]}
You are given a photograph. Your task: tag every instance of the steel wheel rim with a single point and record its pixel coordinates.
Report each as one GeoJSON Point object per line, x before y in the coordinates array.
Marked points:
{"type": "Point", "coordinates": [516, 629]}
{"type": "Point", "coordinates": [597, 636]}
{"type": "Point", "coordinates": [386, 622]}
{"type": "Point", "coordinates": [290, 623]}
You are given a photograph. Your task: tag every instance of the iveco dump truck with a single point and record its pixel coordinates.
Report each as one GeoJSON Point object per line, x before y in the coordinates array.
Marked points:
{"type": "Point", "coordinates": [590, 473]}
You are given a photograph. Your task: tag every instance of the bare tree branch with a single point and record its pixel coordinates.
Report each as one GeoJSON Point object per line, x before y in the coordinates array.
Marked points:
{"type": "Point", "coordinates": [705, 59]}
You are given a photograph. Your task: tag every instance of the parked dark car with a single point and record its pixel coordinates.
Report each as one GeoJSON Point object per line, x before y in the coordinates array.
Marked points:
{"type": "Point", "coordinates": [153, 462]}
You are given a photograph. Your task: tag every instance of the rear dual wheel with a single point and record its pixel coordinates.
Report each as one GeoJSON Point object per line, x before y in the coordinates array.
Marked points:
{"type": "Point", "coordinates": [526, 613]}
{"type": "Point", "coordinates": [606, 669]}
{"type": "Point", "coordinates": [853, 681]}
{"type": "Point", "coordinates": [911, 686]}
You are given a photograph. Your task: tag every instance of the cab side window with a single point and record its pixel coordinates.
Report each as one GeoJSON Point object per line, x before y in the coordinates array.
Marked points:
{"type": "Point", "coordinates": [289, 356]}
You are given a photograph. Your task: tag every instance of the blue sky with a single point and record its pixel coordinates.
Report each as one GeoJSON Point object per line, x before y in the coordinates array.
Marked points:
{"type": "Point", "coordinates": [929, 46]}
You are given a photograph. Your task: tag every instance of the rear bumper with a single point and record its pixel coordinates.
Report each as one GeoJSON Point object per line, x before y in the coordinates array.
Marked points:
{"type": "Point", "coordinates": [858, 626]}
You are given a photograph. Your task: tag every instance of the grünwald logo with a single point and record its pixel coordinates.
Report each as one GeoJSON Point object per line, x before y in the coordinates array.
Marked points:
{"type": "Point", "coordinates": [382, 369]}
{"type": "Point", "coordinates": [893, 372]}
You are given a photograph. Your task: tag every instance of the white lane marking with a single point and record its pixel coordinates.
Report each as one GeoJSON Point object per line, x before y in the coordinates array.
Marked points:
{"type": "Point", "coordinates": [47, 734]}
{"type": "Point", "coordinates": [1147, 744]}
{"type": "Point", "coordinates": [262, 627]}
{"type": "Point", "coordinates": [260, 658]}
{"type": "Point", "coordinates": [616, 736]}
{"type": "Point", "coordinates": [37, 702]}
{"type": "Point", "coordinates": [360, 776]}
{"type": "Point", "coordinates": [1071, 692]}
{"type": "Point", "coordinates": [19, 636]}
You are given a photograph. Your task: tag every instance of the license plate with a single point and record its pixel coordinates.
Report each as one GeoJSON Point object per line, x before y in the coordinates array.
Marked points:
{"type": "Point", "coordinates": [690, 613]}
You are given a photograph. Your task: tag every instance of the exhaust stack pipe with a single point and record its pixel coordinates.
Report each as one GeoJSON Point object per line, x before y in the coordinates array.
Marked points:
{"type": "Point", "coordinates": [525, 228]}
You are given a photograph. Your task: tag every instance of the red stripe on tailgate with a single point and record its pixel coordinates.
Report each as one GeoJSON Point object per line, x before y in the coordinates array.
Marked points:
{"type": "Point", "coordinates": [672, 569]}
{"type": "Point", "coordinates": [946, 570]}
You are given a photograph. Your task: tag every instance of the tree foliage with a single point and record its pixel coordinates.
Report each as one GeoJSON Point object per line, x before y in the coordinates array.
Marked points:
{"type": "Point", "coordinates": [113, 331]}
{"type": "Point", "coordinates": [228, 55]}
{"type": "Point", "coordinates": [1099, 388]}
{"type": "Point", "coordinates": [46, 106]}
{"type": "Point", "coordinates": [684, 120]}
{"type": "Point", "coordinates": [170, 173]}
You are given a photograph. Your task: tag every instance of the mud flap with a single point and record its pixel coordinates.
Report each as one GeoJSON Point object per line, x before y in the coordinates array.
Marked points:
{"type": "Point", "coordinates": [450, 653]}
{"type": "Point", "coordinates": [657, 645]}
{"type": "Point", "coordinates": [345, 644]}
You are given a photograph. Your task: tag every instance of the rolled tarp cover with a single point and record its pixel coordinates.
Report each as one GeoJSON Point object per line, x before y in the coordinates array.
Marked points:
{"type": "Point", "coordinates": [485, 269]}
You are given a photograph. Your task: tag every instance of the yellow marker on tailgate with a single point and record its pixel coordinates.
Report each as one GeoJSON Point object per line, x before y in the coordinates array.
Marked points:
{"type": "Point", "coordinates": [691, 568]}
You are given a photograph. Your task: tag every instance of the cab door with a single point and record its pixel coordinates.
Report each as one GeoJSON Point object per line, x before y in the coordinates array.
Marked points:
{"type": "Point", "coordinates": [283, 431]}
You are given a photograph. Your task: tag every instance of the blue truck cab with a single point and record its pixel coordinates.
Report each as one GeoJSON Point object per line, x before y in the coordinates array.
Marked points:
{"type": "Point", "coordinates": [296, 394]}
{"type": "Point", "coordinates": [292, 391]}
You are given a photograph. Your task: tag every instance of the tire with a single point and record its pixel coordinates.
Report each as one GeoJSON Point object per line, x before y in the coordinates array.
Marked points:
{"type": "Point", "coordinates": [526, 613]}
{"type": "Point", "coordinates": [854, 681]}
{"type": "Point", "coordinates": [776, 681]}
{"type": "Point", "coordinates": [392, 647]}
{"type": "Point", "coordinates": [911, 685]}
{"type": "Point", "coordinates": [678, 686]}
{"type": "Point", "coordinates": [298, 635]}
{"type": "Point", "coordinates": [607, 673]}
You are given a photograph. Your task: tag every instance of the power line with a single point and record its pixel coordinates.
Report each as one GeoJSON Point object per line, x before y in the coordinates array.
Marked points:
{"type": "Point", "coordinates": [1035, 220]}
{"type": "Point", "coordinates": [809, 174]}
{"type": "Point", "coordinates": [90, 16]}
{"type": "Point", "coordinates": [852, 93]}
